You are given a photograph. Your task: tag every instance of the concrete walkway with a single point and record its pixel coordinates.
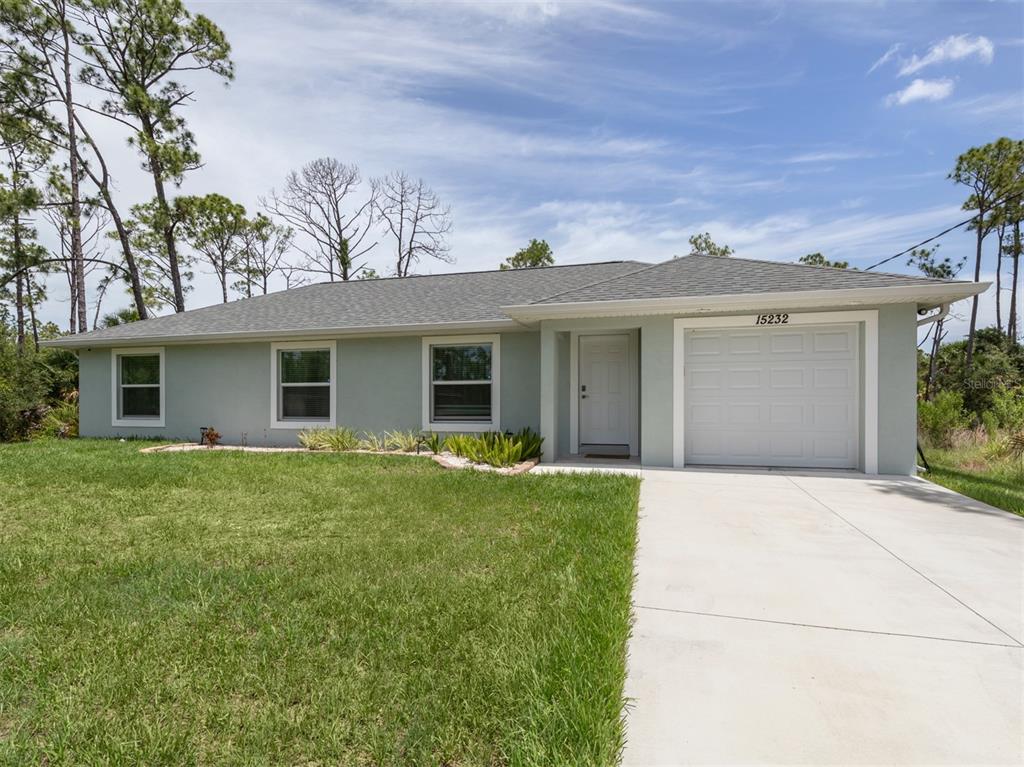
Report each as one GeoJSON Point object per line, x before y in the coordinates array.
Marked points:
{"type": "Point", "coordinates": [788, 618]}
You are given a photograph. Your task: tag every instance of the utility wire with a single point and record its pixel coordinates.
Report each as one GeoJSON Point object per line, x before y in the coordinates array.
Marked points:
{"type": "Point", "coordinates": [944, 232]}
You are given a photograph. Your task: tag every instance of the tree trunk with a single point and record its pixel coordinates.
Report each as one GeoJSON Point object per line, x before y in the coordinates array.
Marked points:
{"type": "Point", "coordinates": [19, 262]}
{"type": "Point", "coordinates": [103, 184]}
{"type": "Point", "coordinates": [72, 320]}
{"type": "Point", "coordinates": [969, 359]}
{"type": "Point", "coordinates": [999, 282]}
{"type": "Point", "coordinates": [32, 312]}
{"type": "Point", "coordinates": [19, 307]}
{"type": "Point", "coordinates": [77, 257]}
{"type": "Point", "coordinates": [929, 384]}
{"type": "Point", "coordinates": [1011, 323]}
{"type": "Point", "coordinates": [156, 169]}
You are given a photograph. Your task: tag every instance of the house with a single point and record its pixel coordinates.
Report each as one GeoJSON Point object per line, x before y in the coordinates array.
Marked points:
{"type": "Point", "coordinates": [697, 360]}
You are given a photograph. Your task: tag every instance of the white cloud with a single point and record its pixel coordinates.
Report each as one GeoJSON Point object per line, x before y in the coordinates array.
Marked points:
{"type": "Point", "coordinates": [993, 106]}
{"type": "Point", "coordinates": [953, 48]}
{"type": "Point", "coordinates": [828, 156]}
{"type": "Point", "coordinates": [921, 90]}
{"type": "Point", "coordinates": [886, 57]}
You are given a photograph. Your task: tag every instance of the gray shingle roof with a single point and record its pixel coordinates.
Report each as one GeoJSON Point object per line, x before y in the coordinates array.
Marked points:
{"type": "Point", "coordinates": [424, 300]}
{"type": "Point", "coordinates": [692, 276]}
{"type": "Point", "coordinates": [479, 297]}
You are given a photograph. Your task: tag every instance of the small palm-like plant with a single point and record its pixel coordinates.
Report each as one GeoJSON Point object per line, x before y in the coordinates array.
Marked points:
{"type": "Point", "coordinates": [376, 443]}
{"type": "Point", "coordinates": [402, 441]}
{"type": "Point", "coordinates": [1015, 445]}
{"type": "Point", "coordinates": [531, 442]}
{"type": "Point", "coordinates": [334, 440]}
{"type": "Point", "coordinates": [434, 442]}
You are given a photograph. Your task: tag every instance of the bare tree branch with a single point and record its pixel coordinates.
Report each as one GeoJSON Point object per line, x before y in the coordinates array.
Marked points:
{"type": "Point", "coordinates": [416, 219]}
{"type": "Point", "coordinates": [320, 202]}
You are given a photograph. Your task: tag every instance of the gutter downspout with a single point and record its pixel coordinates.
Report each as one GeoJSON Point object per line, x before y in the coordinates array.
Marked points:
{"type": "Point", "coordinates": [941, 314]}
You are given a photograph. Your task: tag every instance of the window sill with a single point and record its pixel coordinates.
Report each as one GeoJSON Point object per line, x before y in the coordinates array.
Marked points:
{"type": "Point", "coordinates": [298, 425]}
{"type": "Point", "coordinates": [456, 427]}
{"type": "Point", "coordinates": [149, 423]}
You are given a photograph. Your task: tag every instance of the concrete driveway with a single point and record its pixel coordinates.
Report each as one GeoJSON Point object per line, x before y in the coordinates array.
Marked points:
{"type": "Point", "coordinates": [805, 618]}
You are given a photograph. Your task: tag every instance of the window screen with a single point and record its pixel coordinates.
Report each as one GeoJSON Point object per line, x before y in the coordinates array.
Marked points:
{"type": "Point", "coordinates": [461, 383]}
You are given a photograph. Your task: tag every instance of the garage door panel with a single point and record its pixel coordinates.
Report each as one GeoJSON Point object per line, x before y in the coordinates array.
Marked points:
{"type": "Point", "coordinates": [779, 396]}
{"type": "Point", "coordinates": [706, 346]}
{"type": "Point", "coordinates": [745, 344]}
{"type": "Point", "coordinates": [786, 446]}
{"type": "Point", "coordinates": [743, 378]}
{"type": "Point", "coordinates": [787, 378]}
{"type": "Point", "coordinates": [744, 444]}
{"type": "Point", "coordinates": [709, 379]}
{"type": "Point", "coordinates": [831, 342]}
{"type": "Point", "coordinates": [786, 414]}
{"type": "Point", "coordinates": [833, 378]}
{"type": "Point", "coordinates": [706, 414]}
{"type": "Point", "coordinates": [744, 414]}
{"type": "Point", "coordinates": [833, 415]}
{"type": "Point", "coordinates": [787, 343]}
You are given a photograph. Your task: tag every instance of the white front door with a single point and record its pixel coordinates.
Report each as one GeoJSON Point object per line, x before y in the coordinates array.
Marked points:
{"type": "Point", "coordinates": [784, 396]}
{"type": "Point", "coordinates": [606, 397]}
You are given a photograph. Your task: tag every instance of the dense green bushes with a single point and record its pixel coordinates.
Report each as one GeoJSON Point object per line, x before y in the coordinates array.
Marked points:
{"type": "Point", "coordinates": [31, 383]}
{"type": "Point", "coordinates": [984, 405]}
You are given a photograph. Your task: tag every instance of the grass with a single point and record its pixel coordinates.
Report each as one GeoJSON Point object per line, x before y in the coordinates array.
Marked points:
{"type": "Point", "coordinates": [970, 471]}
{"type": "Point", "coordinates": [231, 608]}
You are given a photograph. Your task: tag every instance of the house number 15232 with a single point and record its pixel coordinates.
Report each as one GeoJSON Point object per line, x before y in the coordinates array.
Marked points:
{"type": "Point", "coordinates": [772, 319]}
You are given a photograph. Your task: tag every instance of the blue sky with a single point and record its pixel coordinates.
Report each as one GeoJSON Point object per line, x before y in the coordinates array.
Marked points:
{"type": "Point", "coordinates": [616, 130]}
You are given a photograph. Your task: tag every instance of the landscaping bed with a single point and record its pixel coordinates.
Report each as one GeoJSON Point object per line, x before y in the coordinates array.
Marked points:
{"type": "Point", "coordinates": [229, 608]}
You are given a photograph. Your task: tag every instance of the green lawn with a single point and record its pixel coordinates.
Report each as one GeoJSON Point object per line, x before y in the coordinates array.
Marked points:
{"type": "Point", "coordinates": [968, 471]}
{"type": "Point", "coordinates": [230, 608]}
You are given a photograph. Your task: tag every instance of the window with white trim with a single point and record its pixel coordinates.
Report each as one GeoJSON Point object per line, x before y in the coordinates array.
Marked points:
{"type": "Point", "coordinates": [137, 376]}
{"type": "Point", "coordinates": [303, 384]}
{"type": "Point", "coordinates": [461, 383]}
{"type": "Point", "coordinates": [304, 388]}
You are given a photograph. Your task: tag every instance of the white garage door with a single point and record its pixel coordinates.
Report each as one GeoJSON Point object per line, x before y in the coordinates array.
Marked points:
{"type": "Point", "coordinates": [785, 396]}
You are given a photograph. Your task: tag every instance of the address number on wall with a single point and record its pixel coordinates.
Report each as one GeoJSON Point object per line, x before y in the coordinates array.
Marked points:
{"type": "Point", "coordinates": [772, 319]}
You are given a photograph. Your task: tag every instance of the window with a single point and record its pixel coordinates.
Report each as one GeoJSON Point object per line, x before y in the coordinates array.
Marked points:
{"type": "Point", "coordinates": [461, 374]}
{"type": "Point", "coordinates": [137, 377]}
{"type": "Point", "coordinates": [303, 380]}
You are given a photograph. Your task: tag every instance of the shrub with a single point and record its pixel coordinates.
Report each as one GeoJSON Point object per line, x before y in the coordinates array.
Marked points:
{"type": "Point", "coordinates": [211, 436]}
{"type": "Point", "coordinates": [1007, 408]}
{"type": "Point", "coordinates": [497, 449]}
{"type": "Point", "coordinates": [434, 442]}
{"type": "Point", "coordinates": [990, 423]}
{"type": "Point", "coordinates": [1015, 446]}
{"type": "Point", "coordinates": [531, 442]}
{"type": "Point", "coordinates": [373, 442]}
{"type": "Point", "coordinates": [334, 440]}
{"type": "Point", "coordinates": [59, 421]}
{"type": "Point", "coordinates": [458, 444]}
{"type": "Point", "coordinates": [402, 441]}
{"type": "Point", "coordinates": [939, 418]}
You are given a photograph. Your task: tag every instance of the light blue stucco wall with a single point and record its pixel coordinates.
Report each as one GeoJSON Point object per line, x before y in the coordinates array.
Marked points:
{"type": "Point", "coordinates": [380, 388]}
{"type": "Point", "coordinates": [897, 389]}
{"type": "Point", "coordinates": [227, 386]}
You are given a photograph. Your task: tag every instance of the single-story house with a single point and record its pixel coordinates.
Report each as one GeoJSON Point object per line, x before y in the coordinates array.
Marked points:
{"type": "Point", "coordinates": [697, 360]}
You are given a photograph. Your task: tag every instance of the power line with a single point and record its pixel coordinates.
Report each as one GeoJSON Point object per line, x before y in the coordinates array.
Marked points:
{"type": "Point", "coordinates": [944, 232]}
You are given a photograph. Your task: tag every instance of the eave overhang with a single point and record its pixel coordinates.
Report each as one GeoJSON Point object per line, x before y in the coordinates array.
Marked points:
{"type": "Point", "coordinates": [926, 296]}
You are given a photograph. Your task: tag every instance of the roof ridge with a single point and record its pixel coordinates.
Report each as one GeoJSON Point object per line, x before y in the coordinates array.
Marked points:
{"type": "Point", "coordinates": [474, 271]}
{"type": "Point", "coordinates": [601, 282]}
{"type": "Point", "coordinates": [823, 266]}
